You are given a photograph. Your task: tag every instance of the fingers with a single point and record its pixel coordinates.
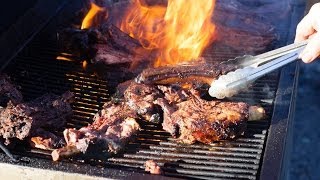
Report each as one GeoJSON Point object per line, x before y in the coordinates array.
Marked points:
{"type": "Point", "coordinates": [305, 28]}
{"type": "Point", "coordinates": [312, 50]}
{"type": "Point", "coordinates": [309, 24]}
{"type": "Point", "coordinates": [309, 28]}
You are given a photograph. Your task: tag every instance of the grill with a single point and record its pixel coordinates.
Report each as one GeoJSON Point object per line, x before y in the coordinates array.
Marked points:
{"type": "Point", "coordinates": [42, 67]}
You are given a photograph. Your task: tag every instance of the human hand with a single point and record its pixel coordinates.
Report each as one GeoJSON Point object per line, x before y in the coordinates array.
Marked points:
{"type": "Point", "coordinates": [309, 28]}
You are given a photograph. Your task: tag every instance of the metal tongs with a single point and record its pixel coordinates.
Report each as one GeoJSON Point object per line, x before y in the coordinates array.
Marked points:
{"type": "Point", "coordinates": [251, 68]}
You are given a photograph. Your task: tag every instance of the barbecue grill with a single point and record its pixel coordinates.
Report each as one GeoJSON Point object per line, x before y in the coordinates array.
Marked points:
{"type": "Point", "coordinates": [32, 58]}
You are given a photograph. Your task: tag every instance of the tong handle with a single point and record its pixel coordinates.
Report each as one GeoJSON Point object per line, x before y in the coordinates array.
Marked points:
{"type": "Point", "coordinates": [267, 68]}
{"type": "Point", "coordinates": [268, 56]}
{"type": "Point", "coordinates": [282, 51]}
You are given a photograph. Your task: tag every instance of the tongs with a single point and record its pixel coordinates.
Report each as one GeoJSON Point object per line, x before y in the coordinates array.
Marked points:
{"type": "Point", "coordinates": [250, 68]}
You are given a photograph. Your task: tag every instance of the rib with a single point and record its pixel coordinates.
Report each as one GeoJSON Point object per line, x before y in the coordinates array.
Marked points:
{"type": "Point", "coordinates": [197, 72]}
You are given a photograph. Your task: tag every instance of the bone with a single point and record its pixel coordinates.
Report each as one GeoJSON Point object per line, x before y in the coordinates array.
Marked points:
{"type": "Point", "coordinates": [197, 72]}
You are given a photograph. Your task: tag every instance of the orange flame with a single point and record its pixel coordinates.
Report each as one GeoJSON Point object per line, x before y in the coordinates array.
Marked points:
{"type": "Point", "coordinates": [178, 33]}
{"type": "Point", "coordinates": [88, 21]}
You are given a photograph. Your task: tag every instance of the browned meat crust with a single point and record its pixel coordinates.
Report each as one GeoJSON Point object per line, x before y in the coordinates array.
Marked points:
{"type": "Point", "coordinates": [152, 167]}
{"type": "Point", "coordinates": [103, 44]}
{"type": "Point", "coordinates": [198, 72]}
{"type": "Point", "coordinates": [140, 97]}
{"type": "Point", "coordinates": [23, 120]}
{"type": "Point", "coordinates": [204, 121]}
{"type": "Point", "coordinates": [46, 140]}
{"type": "Point", "coordinates": [111, 130]}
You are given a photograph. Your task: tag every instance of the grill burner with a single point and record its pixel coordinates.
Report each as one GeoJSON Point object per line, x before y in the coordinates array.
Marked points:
{"type": "Point", "coordinates": [41, 68]}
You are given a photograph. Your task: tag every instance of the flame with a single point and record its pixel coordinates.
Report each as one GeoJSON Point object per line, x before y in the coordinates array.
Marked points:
{"type": "Point", "coordinates": [178, 32]}
{"type": "Point", "coordinates": [89, 19]}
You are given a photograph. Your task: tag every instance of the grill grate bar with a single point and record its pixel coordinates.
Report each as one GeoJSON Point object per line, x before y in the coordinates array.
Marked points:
{"type": "Point", "coordinates": [194, 156]}
{"type": "Point", "coordinates": [223, 148]}
{"type": "Point", "coordinates": [228, 159]}
{"type": "Point", "coordinates": [206, 152]}
{"type": "Point", "coordinates": [190, 161]}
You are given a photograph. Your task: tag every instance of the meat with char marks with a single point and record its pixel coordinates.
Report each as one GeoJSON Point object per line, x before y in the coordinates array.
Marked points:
{"type": "Point", "coordinates": [113, 127]}
{"type": "Point", "coordinates": [205, 121]}
{"type": "Point", "coordinates": [25, 119]}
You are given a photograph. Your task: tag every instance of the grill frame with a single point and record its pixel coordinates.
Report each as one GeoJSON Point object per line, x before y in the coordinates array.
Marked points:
{"type": "Point", "coordinates": [274, 152]}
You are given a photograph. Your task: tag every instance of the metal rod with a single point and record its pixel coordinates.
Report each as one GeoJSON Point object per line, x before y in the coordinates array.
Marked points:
{"type": "Point", "coordinates": [265, 69]}
{"type": "Point", "coordinates": [7, 152]}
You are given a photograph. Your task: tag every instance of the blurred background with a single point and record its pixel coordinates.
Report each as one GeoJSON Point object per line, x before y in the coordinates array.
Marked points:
{"type": "Point", "coordinates": [305, 156]}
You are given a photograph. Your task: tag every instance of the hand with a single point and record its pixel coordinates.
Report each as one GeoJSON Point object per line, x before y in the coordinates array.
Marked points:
{"type": "Point", "coordinates": [309, 28]}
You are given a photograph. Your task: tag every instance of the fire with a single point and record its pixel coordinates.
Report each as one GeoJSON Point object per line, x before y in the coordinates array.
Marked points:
{"type": "Point", "coordinates": [178, 32]}
{"type": "Point", "coordinates": [89, 19]}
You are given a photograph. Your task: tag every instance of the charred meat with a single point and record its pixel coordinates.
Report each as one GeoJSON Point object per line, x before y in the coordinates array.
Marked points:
{"type": "Point", "coordinates": [152, 167]}
{"type": "Point", "coordinates": [111, 130]}
{"type": "Point", "coordinates": [140, 97]}
{"type": "Point", "coordinates": [103, 44]}
{"type": "Point", "coordinates": [46, 140]}
{"type": "Point", "coordinates": [23, 120]}
{"type": "Point", "coordinates": [198, 72]}
{"type": "Point", "coordinates": [204, 121]}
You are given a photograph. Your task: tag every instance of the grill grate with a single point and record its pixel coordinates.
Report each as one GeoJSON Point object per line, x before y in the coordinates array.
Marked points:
{"type": "Point", "coordinates": [38, 71]}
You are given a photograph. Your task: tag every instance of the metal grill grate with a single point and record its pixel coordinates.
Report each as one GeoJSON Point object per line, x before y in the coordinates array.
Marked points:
{"type": "Point", "coordinates": [38, 71]}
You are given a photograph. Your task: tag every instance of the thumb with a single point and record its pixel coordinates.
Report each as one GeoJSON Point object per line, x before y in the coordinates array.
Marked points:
{"type": "Point", "coordinates": [312, 50]}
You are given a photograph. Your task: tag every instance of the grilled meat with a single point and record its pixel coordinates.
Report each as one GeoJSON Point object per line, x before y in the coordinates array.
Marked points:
{"type": "Point", "coordinates": [111, 130]}
{"type": "Point", "coordinates": [256, 113]}
{"type": "Point", "coordinates": [46, 140]}
{"type": "Point", "coordinates": [8, 91]}
{"type": "Point", "coordinates": [152, 167]}
{"type": "Point", "coordinates": [103, 44]}
{"type": "Point", "coordinates": [23, 120]}
{"type": "Point", "coordinates": [140, 97]}
{"type": "Point", "coordinates": [174, 93]}
{"type": "Point", "coordinates": [198, 72]}
{"type": "Point", "coordinates": [204, 121]}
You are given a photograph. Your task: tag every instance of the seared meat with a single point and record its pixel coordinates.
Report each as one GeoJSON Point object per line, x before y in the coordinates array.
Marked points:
{"type": "Point", "coordinates": [8, 91]}
{"type": "Point", "coordinates": [23, 120]}
{"type": "Point", "coordinates": [256, 113]}
{"type": "Point", "coordinates": [111, 130]}
{"type": "Point", "coordinates": [204, 121]}
{"type": "Point", "coordinates": [46, 140]}
{"type": "Point", "coordinates": [140, 97]}
{"type": "Point", "coordinates": [103, 44]}
{"type": "Point", "coordinates": [152, 167]}
{"type": "Point", "coordinates": [196, 73]}
{"type": "Point", "coordinates": [174, 93]}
